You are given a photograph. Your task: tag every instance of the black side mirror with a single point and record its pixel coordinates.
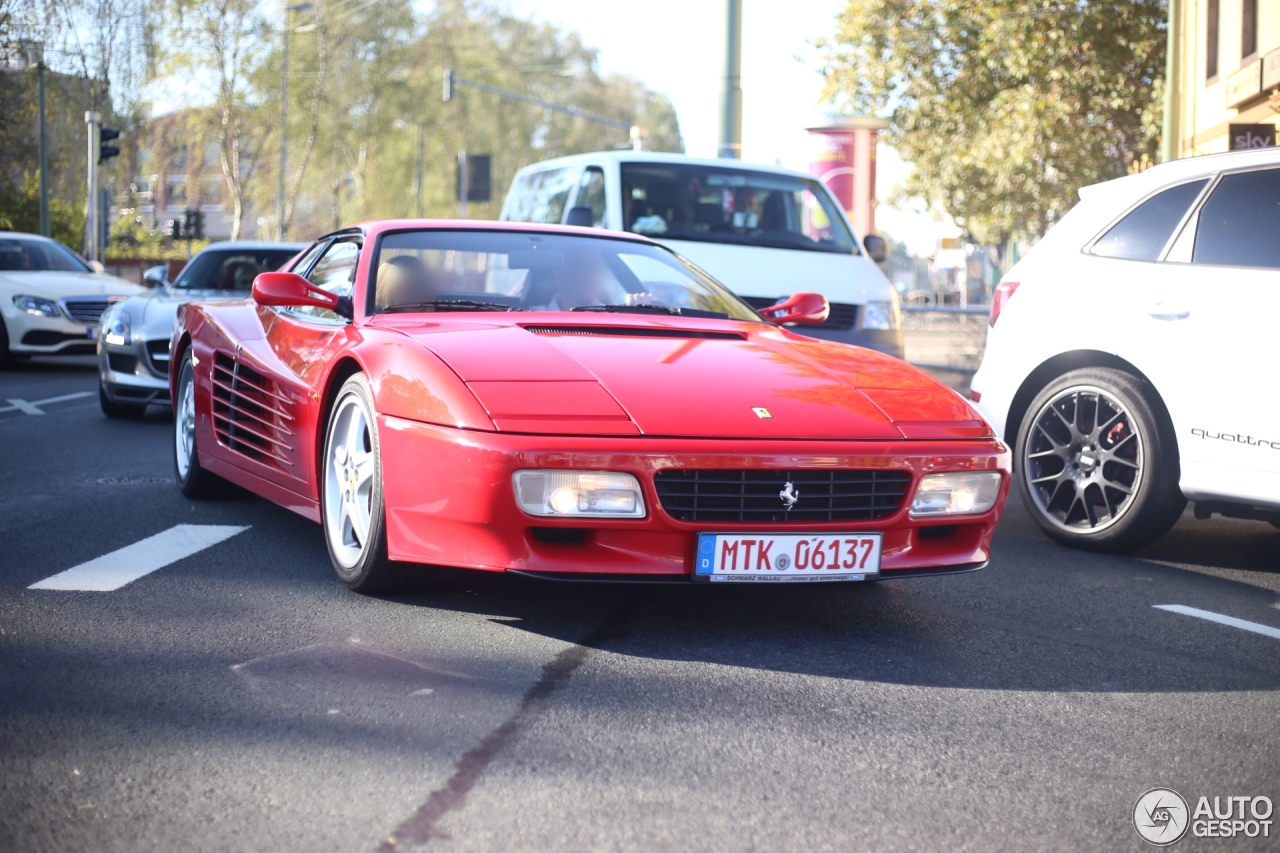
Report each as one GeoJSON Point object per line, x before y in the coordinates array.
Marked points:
{"type": "Point", "coordinates": [877, 249]}
{"type": "Point", "coordinates": [580, 216]}
{"type": "Point", "coordinates": [157, 276]}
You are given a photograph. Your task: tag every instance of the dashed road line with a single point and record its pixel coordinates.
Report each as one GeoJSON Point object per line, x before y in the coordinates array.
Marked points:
{"type": "Point", "coordinates": [1255, 627]}
{"type": "Point", "coordinates": [112, 571]}
{"type": "Point", "coordinates": [17, 405]}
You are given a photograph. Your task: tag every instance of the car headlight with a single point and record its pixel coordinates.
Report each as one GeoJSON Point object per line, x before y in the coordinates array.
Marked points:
{"type": "Point", "coordinates": [880, 316]}
{"type": "Point", "coordinates": [967, 493]}
{"type": "Point", "coordinates": [581, 494]}
{"type": "Point", "coordinates": [115, 328]}
{"type": "Point", "coordinates": [37, 306]}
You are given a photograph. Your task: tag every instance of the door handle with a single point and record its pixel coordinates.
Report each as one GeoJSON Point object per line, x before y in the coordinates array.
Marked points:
{"type": "Point", "coordinates": [1168, 311]}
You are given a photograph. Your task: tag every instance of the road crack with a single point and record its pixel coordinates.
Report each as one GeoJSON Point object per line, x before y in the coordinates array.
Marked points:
{"type": "Point", "coordinates": [422, 825]}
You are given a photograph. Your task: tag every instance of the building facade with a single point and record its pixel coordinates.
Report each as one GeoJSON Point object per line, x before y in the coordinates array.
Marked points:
{"type": "Point", "coordinates": [1226, 74]}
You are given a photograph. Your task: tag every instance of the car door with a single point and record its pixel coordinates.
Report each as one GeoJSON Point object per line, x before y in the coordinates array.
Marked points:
{"type": "Point", "coordinates": [1211, 323]}
{"type": "Point", "coordinates": [296, 348]}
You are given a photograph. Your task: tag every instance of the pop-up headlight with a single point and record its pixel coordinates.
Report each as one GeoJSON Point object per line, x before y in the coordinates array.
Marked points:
{"type": "Point", "coordinates": [579, 494]}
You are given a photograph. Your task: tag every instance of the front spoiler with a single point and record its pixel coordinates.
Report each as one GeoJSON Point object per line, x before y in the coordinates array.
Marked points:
{"type": "Point", "coordinates": [686, 580]}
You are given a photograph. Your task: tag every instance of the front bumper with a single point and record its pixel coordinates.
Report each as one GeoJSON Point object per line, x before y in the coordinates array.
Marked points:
{"type": "Point", "coordinates": [33, 335]}
{"type": "Point", "coordinates": [135, 374]}
{"type": "Point", "coordinates": [449, 501]}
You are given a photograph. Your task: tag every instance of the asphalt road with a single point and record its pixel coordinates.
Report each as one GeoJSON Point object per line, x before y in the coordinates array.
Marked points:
{"type": "Point", "coordinates": [242, 700]}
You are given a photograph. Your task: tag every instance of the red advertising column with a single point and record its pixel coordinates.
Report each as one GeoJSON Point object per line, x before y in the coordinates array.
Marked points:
{"type": "Point", "coordinates": [844, 158]}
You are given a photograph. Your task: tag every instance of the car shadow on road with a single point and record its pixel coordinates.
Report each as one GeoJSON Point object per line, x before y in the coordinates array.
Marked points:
{"type": "Point", "coordinates": [1041, 618]}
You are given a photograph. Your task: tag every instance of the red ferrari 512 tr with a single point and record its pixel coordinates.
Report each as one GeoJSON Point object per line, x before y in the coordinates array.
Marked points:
{"type": "Point", "coordinates": [574, 404]}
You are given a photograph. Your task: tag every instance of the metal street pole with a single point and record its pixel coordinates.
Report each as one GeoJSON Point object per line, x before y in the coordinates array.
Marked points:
{"type": "Point", "coordinates": [731, 92]}
{"type": "Point", "coordinates": [422, 145]}
{"type": "Point", "coordinates": [93, 120]}
{"type": "Point", "coordinates": [464, 184]}
{"type": "Point", "coordinates": [281, 227]}
{"type": "Point", "coordinates": [1169, 130]}
{"type": "Point", "coordinates": [45, 227]}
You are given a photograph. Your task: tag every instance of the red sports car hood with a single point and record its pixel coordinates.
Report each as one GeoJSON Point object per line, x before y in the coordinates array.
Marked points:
{"type": "Point", "coordinates": [677, 378]}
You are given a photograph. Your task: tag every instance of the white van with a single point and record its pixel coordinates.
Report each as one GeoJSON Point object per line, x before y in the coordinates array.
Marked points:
{"type": "Point", "coordinates": [765, 232]}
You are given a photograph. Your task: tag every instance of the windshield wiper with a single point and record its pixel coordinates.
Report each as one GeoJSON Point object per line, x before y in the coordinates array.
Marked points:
{"type": "Point", "coordinates": [449, 305]}
{"type": "Point", "coordinates": [653, 309]}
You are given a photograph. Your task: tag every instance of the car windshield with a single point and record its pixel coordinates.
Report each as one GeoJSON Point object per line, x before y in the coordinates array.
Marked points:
{"type": "Point", "coordinates": [714, 204]}
{"type": "Point", "coordinates": [231, 269]}
{"type": "Point", "coordinates": [514, 271]}
{"type": "Point", "coordinates": [19, 255]}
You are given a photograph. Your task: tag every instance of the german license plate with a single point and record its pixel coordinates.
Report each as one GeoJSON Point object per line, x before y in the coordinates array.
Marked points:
{"type": "Point", "coordinates": [784, 558]}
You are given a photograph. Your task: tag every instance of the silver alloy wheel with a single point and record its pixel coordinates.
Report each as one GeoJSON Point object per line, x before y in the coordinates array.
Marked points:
{"type": "Point", "coordinates": [349, 482]}
{"type": "Point", "coordinates": [1083, 460]}
{"type": "Point", "coordinates": [184, 429]}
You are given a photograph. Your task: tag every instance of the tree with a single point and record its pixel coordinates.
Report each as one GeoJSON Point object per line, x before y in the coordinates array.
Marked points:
{"type": "Point", "coordinates": [1006, 108]}
{"type": "Point", "coordinates": [223, 40]}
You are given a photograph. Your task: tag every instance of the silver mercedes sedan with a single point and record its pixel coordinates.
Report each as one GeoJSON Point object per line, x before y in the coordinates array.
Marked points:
{"type": "Point", "coordinates": [133, 348]}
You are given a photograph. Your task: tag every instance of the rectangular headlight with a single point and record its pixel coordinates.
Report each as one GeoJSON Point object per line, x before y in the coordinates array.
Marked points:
{"type": "Point", "coordinates": [578, 494]}
{"type": "Point", "coordinates": [880, 316]}
{"type": "Point", "coordinates": [960, 493]}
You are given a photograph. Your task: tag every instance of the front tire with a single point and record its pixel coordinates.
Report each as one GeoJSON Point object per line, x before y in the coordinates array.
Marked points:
{"type": "Point", "coordinates": [193, 480]}
{"type": "Point", "coordinates": [1097, 463]}
{"type": "Point", "coordinates": [351, 497]}
{"type": "Point", "coordinates": [7, 358]}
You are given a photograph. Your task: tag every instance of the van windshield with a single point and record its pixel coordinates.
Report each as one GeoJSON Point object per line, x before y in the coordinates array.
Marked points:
{"type": "Point", "coordinates": [712, 204]}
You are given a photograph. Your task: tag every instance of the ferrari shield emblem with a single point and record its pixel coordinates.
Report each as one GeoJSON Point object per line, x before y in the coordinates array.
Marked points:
{"type": "Point", "coordinates": [761, 412]}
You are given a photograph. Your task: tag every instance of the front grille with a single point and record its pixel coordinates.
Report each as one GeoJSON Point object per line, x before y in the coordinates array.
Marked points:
{"type": "Point", "coordinates": [248, 412]}
{"type": "Point", "coordinates": [158, 355]}
{"type": "Point", "coordinates": [87, 309]}
{"type": "Point", "coordinates": [755, 496]}
{"type": "Point", "coordinates": [46, 338]}
{"type": "Point", "coordinates": [843, 316]}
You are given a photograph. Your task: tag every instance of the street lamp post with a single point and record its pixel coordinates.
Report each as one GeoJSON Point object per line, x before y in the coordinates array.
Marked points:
{"type": "Point", "coordinates": [284, 111]}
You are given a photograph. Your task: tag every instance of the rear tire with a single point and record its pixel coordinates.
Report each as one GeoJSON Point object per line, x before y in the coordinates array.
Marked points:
{"type": "Point", "coordinates": [351, 498]}
{"type": "Point", "coordinates": [1097, 462]}
{"type": "Point", "coordinates": [193, 480]}
{"type": "Point", "coordinates": [123, 411]}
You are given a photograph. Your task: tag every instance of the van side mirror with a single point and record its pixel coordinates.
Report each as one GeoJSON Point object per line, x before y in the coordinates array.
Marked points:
{"type": "Point", "coordinates": [799, 308]}
{"type": "Point", "coordinates": [877, 249]}
{"type": "Point", "coordinates": [290, 290]}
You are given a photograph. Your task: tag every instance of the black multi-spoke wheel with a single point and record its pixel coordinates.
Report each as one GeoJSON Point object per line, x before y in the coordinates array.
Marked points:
{"type": "Point", "coordinates": [1098, 465]}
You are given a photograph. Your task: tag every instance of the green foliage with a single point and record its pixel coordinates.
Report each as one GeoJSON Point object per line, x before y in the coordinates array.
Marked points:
{"type": "Point", "coordinates": [1006, 108]}
{"type": "Point", "coordinates": [365, 81]}
{"type": "Point", "coordinates": [135, 236]}
{"type": "Point", "coordinates": [20, 211]}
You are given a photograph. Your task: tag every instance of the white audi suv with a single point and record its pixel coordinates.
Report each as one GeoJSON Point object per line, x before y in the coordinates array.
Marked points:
{"type": "Point", "coordinates": [1132, 355]}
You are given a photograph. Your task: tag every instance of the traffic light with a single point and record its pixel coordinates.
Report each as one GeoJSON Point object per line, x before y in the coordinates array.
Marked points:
{"type": "Point", "coordinates": [106, 152]}
{"type": "Point", "coordinates": [450, 84]}
{"type": "Point", "coordinates": [175, 229]}
{"type": "Point", "coordinates": [197, 222]}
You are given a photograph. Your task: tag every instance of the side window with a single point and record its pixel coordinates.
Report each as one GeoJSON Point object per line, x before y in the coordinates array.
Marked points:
{"type": "Point", "coordinates": [541, 196]}
{"type": "Point", "coordinates": [1240, 223]}
{"type": "Point", "coordinates": [591, 194]}
{"type": "Point", "coordinates": [1142, 235]}
{"type": "Point", "coordinates": [334, 272]}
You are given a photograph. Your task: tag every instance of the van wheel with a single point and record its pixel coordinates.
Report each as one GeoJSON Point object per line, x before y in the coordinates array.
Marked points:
{"type": "Point", "coordinates": [1097, 465]}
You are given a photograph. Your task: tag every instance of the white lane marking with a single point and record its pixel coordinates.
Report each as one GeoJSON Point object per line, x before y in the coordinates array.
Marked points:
{"type": "Point", "coordinates": [34, 408]}
{"type": "Point", "coordinates": [1264, 630]}
{"type": "Point", "coordinates": [112, 571]}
